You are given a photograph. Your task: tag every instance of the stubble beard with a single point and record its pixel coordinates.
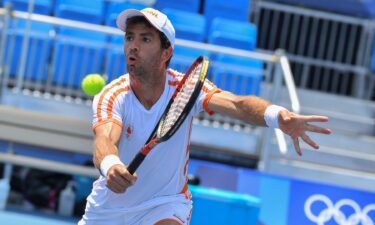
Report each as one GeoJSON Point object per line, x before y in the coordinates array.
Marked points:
{"type": "Point", "coordinates": [141, 72]}
{"type": "Point", "coordinates": [136, 71]}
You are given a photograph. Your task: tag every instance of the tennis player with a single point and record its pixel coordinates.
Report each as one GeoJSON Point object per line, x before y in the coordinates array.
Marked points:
{"type": "Point", "coordinates": [125, 113]}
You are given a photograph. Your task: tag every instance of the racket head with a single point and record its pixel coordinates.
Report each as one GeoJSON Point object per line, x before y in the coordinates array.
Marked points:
{"type": "Point", "coordinates": [183, 99]}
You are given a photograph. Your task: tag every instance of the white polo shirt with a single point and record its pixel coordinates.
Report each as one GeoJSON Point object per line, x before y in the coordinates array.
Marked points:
{"type": "Point", "coordinates": [162, 175]}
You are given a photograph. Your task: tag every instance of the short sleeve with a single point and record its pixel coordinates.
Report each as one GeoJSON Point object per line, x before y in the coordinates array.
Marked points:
{"type": "Point", "coordinates": [205, 95]}
{"type": "Point", "coordinates": [108, 104]}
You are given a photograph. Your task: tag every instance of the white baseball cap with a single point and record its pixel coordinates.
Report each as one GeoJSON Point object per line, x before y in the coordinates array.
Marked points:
{"type": "Point", "coordinates": [156, 18]}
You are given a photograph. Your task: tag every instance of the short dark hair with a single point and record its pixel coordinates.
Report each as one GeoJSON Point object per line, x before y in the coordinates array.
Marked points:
{"type": "Point", "coordinates": [164, 42]}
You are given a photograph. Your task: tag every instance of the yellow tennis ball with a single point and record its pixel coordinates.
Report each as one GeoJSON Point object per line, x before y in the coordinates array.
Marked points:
{"type": "Point", "coordinates": [92, 84]}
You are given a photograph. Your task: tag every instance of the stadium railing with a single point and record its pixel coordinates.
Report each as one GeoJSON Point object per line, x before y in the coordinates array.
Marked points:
{"type": "Point", "coordinates": [328, 52]}
{"type": "Point", "coordinates": [44, 130]}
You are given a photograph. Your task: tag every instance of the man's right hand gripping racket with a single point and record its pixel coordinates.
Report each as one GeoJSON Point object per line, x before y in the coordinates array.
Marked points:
{"type": "Point", "coordinates": [178, 108]}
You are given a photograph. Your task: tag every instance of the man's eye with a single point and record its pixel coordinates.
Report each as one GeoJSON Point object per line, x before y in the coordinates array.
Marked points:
{"type": "Point", "coordinates": [146, 39]}
{"type": "Point", "coordinates": [128, 38]}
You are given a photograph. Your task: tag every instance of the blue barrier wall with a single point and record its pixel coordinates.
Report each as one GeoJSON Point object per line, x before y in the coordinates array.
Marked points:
{"type": "Point", "coordinates": [287, 201]}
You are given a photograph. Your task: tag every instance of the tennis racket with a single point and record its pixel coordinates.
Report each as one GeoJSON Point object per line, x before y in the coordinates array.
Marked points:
{"type": "Point", "coordinates": [178, 108]}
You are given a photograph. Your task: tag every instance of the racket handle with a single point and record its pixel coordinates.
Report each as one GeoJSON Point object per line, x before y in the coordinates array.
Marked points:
{"type": "Point", "coordinates": [134, 164]}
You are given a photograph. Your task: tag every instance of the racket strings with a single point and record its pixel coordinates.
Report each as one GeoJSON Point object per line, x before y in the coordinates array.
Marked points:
{"type": "Point", "coordinates": [180, 101]}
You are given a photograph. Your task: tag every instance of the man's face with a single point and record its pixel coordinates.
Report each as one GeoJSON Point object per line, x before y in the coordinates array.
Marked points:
{"type": "Point", "coordinates": [142, 49]}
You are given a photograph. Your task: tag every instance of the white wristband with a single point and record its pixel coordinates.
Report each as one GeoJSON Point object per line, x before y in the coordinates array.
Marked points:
{"type": "Point", "coordinates": [271, 115]}
{"type": "Point", "coordinates": [108, 162]}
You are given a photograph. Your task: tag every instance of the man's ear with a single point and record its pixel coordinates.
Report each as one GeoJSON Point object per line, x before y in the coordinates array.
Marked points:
{"type": "Point", "coordinates": [167, 54]}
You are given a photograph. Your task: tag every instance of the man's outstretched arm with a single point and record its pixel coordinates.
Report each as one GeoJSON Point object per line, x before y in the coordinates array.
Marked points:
{"type": "Point", "coordinates": [259, 112]}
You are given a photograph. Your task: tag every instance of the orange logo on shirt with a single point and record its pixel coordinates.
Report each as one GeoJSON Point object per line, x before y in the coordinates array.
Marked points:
{"type": "Point", "coordinates": [128, 131]}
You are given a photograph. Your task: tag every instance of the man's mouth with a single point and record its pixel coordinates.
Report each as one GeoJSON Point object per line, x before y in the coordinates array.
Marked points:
{"type": "Point", "coordinates": [132, 59]}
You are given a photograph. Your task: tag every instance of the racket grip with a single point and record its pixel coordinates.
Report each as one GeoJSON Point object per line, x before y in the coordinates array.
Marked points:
{"type": "Point", "coordinates": [134, 164]}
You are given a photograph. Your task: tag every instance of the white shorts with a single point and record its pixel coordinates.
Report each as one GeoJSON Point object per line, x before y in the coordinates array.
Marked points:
{"type": "Point", "coordinates": [175, 211]}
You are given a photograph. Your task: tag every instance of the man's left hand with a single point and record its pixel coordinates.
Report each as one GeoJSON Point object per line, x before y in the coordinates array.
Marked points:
{"type": "Point", "coordinates": [296, 126]}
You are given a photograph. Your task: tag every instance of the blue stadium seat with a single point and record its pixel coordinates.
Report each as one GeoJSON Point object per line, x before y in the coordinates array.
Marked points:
{"type": "Point", "coordinates": [39, 49]}
{"type": "Point", "coordinates": [186, 5]}
{"type": "Point", "coordinates": [232, 33]}
{"type": "Point", "coordinates": [90, 11]}
{"type": "Point", "coordinates": [77, 53]}
{"type": "Point", "coordinates": [242, 76]}
{"type": "Point", "coordinates": [235, 9]}
{"type": "Point", "coordinates": [40, 6]}
{"type": "Point", "coordinates": [188, 25]}
{"type": "Point", "coordinates": [115, 63]}
{"type": "Point", "coordinates": [114, 8]}
{"type": "Point", "coordinates": [183, 57]}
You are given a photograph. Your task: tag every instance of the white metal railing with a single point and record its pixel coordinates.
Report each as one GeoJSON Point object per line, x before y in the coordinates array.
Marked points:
{"type": "Point", "coordinates": [327, 51]}
{"type": "Point", "coordinates": [289, 81]}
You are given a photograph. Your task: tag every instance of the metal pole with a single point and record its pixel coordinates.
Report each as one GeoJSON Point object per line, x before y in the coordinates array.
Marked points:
{"type": "Point", "coordinates": [9, 167]}
{"type": "Point", "coordinates": [282, 72]}
{"type": "Point", "coordinates": [3, 75]}
{"type": "Point", "coordinates": [267, 133]}
{"type": "Point", "coordinates": [25, 47]}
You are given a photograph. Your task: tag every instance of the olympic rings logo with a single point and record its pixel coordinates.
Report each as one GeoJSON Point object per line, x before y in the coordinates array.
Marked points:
{"type": "Point", "coordinates": [359, 217]}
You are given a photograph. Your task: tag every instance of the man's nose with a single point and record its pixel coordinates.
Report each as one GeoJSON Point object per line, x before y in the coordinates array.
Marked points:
{"type": "Point", "coordinates": [134, 46]}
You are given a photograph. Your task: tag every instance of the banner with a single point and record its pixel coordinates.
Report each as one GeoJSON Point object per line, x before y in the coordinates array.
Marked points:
{"type": "Point", "coordinates": [318, 204]}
